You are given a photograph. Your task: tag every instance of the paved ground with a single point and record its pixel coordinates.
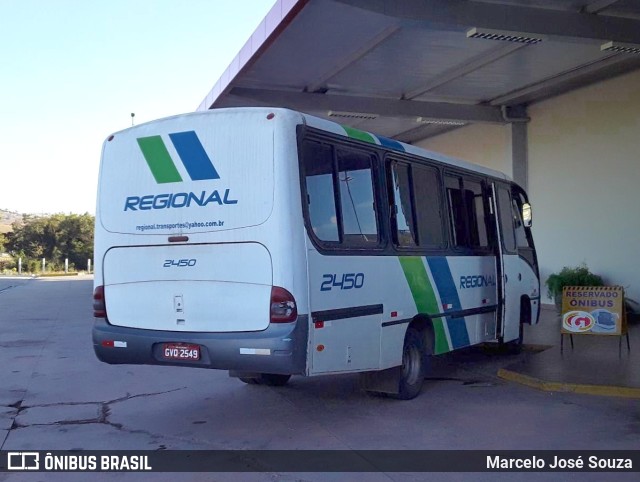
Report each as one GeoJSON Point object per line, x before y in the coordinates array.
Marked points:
{"type": "Point", "coordinates": [596, 364]}
{"type": "Point", "coordinates": [8, 282]}
{"type": "Point", "coordinates": [54, 394]}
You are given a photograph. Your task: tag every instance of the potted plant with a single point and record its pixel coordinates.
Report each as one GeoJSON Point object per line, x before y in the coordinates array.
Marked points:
{"type": "Point", "coordinates": [570, 276]}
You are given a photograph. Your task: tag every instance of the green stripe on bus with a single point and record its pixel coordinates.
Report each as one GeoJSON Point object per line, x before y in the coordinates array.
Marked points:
{"type": "Point", "coordinates": [424, 297]}
{"type": "Point", "coordinates": [360, 135]}
{"type": "Point", "coordinates": [442, 345]}
{"type": "Point", "coordinates": [158, 159]}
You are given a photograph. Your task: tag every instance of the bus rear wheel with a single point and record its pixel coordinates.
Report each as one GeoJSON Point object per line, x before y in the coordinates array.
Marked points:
{"type": "Point", "coordinates": [413, 366]}
{"type": "Point", "coordinates": [273, 380]}
{"type": "Point", "coordinates": [269, 379]}
{"type": "Point", "coordinates": [249, 381]}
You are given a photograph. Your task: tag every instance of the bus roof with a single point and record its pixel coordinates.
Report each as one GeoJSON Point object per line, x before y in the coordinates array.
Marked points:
{"type": "Point", "coordinates": [352, 133]}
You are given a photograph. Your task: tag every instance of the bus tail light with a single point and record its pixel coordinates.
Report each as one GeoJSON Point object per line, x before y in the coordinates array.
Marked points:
{"type": "Point", "coordinates": [99, 307]}
{"type": "Point", "coordinates": [283, 306]}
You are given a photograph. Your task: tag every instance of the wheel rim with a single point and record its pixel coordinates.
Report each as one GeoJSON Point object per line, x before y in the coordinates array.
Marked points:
{"type": "Point", "coordinates": [411, 365]}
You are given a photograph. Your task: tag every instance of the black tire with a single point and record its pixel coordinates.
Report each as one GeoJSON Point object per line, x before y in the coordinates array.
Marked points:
{"type": "Point", "coordinates": [273, 380]}
{"type": "Point", "coordinates": [249, 381]}
{"type": "Point", "coordinates": [414, 366]}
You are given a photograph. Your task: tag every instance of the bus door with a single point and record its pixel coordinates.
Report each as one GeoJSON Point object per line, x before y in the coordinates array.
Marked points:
{"type": "Point", "coordinates": [508, 265]}
{"type": "Point", "coordinates": [472, 262]}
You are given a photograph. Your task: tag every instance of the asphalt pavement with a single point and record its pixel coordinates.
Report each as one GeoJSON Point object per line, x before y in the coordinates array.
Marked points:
{"type": "Point", "coordinates": [55, 395]}
{"type": "Point", "coordinates": [589, 364]}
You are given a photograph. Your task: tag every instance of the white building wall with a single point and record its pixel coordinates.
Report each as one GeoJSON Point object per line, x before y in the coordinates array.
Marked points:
{"type": "Point", "coordinates": [584, 177]}
{"type": "Point", "coordinates": [485, 144]}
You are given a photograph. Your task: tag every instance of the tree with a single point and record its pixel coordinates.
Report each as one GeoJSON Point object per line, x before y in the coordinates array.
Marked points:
{"type": "Point", "coordinates": [75, 238]}
{"type": "Point", "coordinates": [53, 237]}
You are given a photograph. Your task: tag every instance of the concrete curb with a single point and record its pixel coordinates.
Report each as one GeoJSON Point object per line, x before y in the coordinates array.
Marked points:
{"type": "Point", "coordinates": [605, 390]}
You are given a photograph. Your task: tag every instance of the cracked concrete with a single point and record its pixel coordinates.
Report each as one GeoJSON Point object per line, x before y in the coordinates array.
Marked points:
{"type": "Point", "coordinates": [94, 436]}
{"type": "Point", "coordinates": [61, 414]}
{"type": "Point", "coordinates": [7, 416]}
{"type": "Point", "coordinates": [21, 417]}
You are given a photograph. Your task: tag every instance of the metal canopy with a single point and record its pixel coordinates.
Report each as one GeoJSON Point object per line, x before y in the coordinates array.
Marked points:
{"type": "Point", "coordinates": [411, 69]}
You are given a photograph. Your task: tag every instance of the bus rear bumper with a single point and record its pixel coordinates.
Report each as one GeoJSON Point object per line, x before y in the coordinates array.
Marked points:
{"type": "Point", "coordinates": [280, 349]}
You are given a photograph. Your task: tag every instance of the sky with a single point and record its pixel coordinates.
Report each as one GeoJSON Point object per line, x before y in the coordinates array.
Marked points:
{"type": "Point", "coordinates": [73, 71]}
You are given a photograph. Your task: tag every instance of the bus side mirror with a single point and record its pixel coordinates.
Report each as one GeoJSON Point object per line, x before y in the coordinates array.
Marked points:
{"type": "Point", "coordinates": [526, 215]}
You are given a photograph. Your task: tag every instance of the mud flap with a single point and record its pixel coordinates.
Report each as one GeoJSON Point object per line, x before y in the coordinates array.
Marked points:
{"type": "Point", "coordinates": [382, 381]}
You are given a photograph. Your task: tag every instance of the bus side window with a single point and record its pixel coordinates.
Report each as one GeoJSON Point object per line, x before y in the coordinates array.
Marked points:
{"type": "Point", "coordinates": [426, 188]}
{"type": "Point", "coordinates": [474, 200]}
{"type": "Point", "coordinates": [405, 233]}
{"type": "Point", "coordinates": [456, 212]}
{"type": "Point", "coordinates": [357, 204]}
{"type": "Point", "coordinates": [521, 235]}
{"type": "Point", "coordinates": [319, 179]}
{"type": "Point", "coordinates": [506, 220]}
{"type": "Point", "coordinates": [524, 239]}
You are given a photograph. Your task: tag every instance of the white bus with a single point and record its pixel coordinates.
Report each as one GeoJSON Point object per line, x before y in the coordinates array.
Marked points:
{"type": "Point", "coordinates": [272, 243]}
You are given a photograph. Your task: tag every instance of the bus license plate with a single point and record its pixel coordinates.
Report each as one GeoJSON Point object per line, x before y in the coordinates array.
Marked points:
{"type": "Point", "coordinates": [180, 351]}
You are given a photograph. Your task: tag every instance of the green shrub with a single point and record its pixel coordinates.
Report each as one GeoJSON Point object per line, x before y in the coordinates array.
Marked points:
{"type": "Point", "coordinates": [7, 264]}
{"type": "Point", "coordinates": [571, 276]}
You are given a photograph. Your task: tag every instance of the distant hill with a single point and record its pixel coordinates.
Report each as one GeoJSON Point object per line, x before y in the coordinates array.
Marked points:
{"type": "Point", "coordinates": [7, 218]}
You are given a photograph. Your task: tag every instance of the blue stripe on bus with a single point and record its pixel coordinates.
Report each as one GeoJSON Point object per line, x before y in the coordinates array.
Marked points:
{"type": "Point", "coordinates": [390, 143]}
{"type": "Point", "coordinates": [193, 156]}
{"type": "Point", "coordinates": [449, 296]}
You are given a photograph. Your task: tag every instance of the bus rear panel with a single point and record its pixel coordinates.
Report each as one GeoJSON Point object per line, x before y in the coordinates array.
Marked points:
{"type": "Point", "coordinates": [194, 244]}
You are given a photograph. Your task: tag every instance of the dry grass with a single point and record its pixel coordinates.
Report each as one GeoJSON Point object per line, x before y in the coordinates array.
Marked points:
{"type": "Point", "coordinates": [7, 218]}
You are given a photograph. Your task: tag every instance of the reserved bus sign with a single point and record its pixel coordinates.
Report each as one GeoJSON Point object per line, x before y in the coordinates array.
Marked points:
{"type": "Point", "coordinates": [593, 310]}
